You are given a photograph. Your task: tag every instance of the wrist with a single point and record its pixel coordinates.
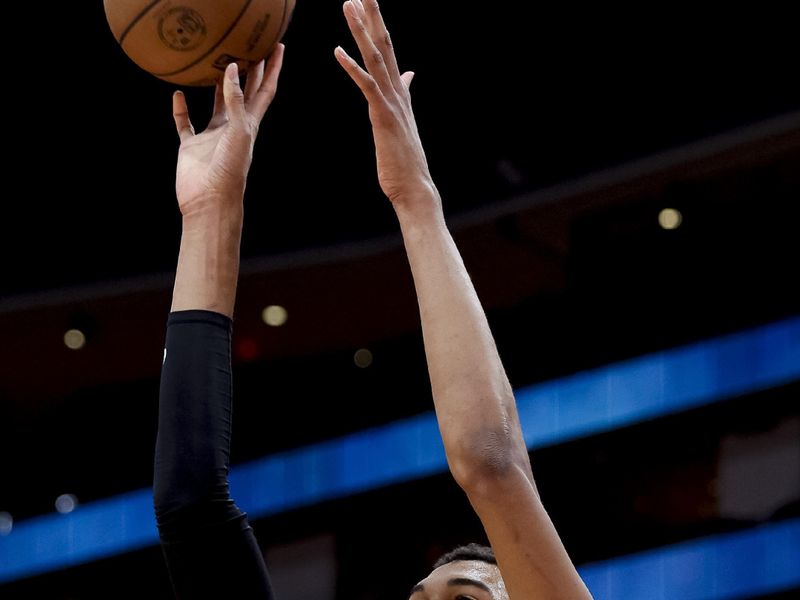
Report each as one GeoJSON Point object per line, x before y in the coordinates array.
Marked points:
{"type": "Point", "coordinates": [419, 207]}
{"type": "Point", "coordinates": [208, 261]}
{"type": "Point", "coordinates": [227, 219]}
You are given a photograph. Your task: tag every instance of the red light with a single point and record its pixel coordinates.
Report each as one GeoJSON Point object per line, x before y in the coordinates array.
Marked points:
{"type": "Point", "coordinates": [246, 349]}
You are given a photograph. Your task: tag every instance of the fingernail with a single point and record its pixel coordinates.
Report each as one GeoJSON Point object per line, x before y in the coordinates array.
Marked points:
{"type": "Point", "coordinates": [339, 51]}
{"type": "Point", "coordinates": [233, 72]}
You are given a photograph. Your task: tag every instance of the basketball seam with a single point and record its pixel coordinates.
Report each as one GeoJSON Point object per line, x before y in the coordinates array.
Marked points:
{"type": "Point", "coordinates": [136, 20]}
{"type": "Point", "coordinates": [214, 47]}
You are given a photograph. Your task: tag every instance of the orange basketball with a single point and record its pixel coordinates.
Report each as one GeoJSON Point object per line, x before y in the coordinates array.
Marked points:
{"type": "Point", "coordinates": [190, 42]}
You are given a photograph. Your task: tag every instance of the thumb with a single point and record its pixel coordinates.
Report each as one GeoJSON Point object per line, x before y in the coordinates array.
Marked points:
{"type": "Point", "coordinates": [232, 91]}
{"type": "Point", "coordinates": [407, 78]}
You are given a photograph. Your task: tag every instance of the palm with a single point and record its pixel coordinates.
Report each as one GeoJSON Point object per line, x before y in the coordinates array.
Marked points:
{"type": "Point", "coordinates": [213, 165]}
{"type": "Point", "coordinates": [211, 162]}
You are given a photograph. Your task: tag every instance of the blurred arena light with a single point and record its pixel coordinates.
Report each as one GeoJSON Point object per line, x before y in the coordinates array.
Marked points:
{"type": "Point", "coordinates": [6, 523]}
{"type": "Point", "coordinates": [362, 358]}
{"type": "Point", "coordinates": [74, 339]}
{"type": "Point", "coordinates": [66, 503]}
{"type": "Point", "coordinates": [670, 218]}
{"type": "Point", "coordinates": [587, 403]}
{"type": "Point", "coordinates": [274, 315]}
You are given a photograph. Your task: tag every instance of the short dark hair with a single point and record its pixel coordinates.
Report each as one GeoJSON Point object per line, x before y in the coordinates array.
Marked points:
{"type": "Point", "coordinates": [471, 551]}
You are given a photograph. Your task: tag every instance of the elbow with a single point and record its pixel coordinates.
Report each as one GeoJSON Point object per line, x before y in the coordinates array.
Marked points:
{"type": "Point", "coordinates": [488, 461]}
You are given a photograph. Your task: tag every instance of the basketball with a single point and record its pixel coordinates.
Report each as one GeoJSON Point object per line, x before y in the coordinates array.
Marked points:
{"type": "Point", "coordinates": [190, 42]}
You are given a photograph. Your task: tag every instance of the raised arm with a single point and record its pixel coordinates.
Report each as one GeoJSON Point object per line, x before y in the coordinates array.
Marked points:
{"type": "Point", "coordinates": [209, 547]}
{"type": "Point", "coordinates": [210, 182]}
{"type": "Point", "coordinates": [474, 402]}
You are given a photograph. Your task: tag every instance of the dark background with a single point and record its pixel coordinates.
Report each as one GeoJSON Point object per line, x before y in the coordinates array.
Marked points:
{"type": "Point", "coordinates": [511, 100]}
{"type": "Point", "coordinates": [551, 94]}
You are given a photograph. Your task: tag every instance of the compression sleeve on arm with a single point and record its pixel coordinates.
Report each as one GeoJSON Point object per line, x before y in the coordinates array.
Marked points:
{"type": "Point", "coordinates": [209, 546]}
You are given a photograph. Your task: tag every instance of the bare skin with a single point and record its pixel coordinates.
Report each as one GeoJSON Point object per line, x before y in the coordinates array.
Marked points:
{"type": "Point", "coordinates": [473, 398]}
{"type": "Point", "coordinates": [210, 182]}
{"type": "Point", "coordinates": [462, 580]}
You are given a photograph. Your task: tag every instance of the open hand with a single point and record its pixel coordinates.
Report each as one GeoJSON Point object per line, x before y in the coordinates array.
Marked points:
{"type": "Point", "coordinates": [213, 165]}
{"type": "Point", "coordinates": [402, 166]}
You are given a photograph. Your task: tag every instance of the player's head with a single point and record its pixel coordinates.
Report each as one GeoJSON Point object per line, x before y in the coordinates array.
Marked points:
{"type": "Point", "coordinates": [466, 571]}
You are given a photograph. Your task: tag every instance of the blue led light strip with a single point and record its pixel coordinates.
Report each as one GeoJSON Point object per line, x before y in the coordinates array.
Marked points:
{"type": "Point", "coordinates": [587, 403]}
{"type": "Point", "coordinates": [746, 564]}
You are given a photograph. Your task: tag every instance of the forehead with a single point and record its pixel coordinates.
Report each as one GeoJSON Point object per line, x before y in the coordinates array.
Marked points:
{"type": "Point", "coordinates": [476, 570]}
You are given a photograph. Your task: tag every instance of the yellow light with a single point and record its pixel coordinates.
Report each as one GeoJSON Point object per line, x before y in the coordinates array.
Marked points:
{"type": "Point", "coordinates": [274, 315]}
{"type": "Point", "coordinates": [74, 339]}
{"type": "Point", "coordinates": [362, 358]}
{"type": "Point", "coordinates": [670, 218]}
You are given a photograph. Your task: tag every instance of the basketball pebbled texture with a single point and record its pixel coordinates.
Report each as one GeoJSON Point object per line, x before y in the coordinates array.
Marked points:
{"type": "Point", "coordinates": [190, 42]}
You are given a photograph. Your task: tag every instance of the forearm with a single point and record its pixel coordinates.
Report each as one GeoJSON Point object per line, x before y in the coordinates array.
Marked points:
{"type": "Point", "coordinates": [194, 417]}
{"type": "Point", "coordinates": [195, 379]}
{"type": "Point", "coordinates": [195, 395]}
{"type": "Point", "coordinates": [473, 398]}
{"type": "Point", "coordinates": [207, 541]}
{"type": "Point", "coordinates": [208, 262]}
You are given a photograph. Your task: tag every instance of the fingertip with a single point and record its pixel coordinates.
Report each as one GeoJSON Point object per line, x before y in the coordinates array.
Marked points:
{"type": "Point", "coordinates": [178, 100]}
{"type": "Point", "coordinates": [340, 53]}
{"type": "Point", "coordinates": [232, 73]}
{"type": "Point", "coordinates": [278, 52]}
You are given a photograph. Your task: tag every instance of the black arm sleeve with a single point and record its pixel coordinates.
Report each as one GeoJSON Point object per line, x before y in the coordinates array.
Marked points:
{"type": "Point", "coordinates": [210, 548]}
